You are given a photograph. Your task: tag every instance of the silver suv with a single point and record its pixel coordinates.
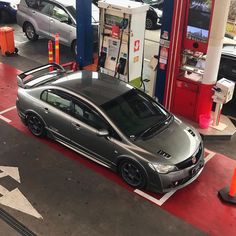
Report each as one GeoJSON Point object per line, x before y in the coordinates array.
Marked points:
{"type": "Point", "coordinates": [47, 17]}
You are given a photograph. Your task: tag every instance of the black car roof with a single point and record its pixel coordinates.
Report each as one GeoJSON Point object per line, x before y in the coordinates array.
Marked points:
{"type": "Point", "coordinates": [95, 86]}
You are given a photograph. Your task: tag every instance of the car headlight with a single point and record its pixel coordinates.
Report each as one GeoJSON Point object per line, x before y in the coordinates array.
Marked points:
{"type": "Point", "coordinates": [14, 6]}
{"type": "Point", "coordinates": [162, 168]}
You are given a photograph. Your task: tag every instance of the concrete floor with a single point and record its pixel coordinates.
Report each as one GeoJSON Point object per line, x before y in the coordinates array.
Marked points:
{"type": "Point", "coordinates": [72, 199]}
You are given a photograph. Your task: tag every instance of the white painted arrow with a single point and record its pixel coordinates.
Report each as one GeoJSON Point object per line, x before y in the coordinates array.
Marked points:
{"type": "Point", "coordinates": [10, 171]}
{"type": "Point", "coordinates": [16, 200]}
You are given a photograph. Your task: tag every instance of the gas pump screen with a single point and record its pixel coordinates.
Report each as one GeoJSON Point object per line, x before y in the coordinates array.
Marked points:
{"type": "Point", "coordinates": [116, 20]}
{"type": "Point", "coordinates": [199, 20]}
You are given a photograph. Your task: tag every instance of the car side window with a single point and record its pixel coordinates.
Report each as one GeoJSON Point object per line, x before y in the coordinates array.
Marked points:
{"type": "Point", "coordinates": [58, 100]}
{"type": "Point", "coordinates": [32, 3]}
{"type": "Point", "coordinates": [88, 116]}
{"type": "Point", "coordinates": [60, 14]}
{"type": "Point", "coordinates": [46, 8]}
{"type": "Point", "coordinates": [44, 96]}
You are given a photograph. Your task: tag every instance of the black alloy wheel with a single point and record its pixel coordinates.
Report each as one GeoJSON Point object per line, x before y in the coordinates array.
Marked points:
{"type": "Point", "coordinates": [150, 23]}
{"type": "Point", "coordinates": [36, 125]}
{"type": "Point", "coordinates": [133, 174]}
{"type": "Point", "coordinates": [30, 32]}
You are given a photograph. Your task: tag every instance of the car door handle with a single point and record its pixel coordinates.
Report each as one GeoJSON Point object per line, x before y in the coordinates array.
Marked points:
{"type": "Point", "coordinates": [51, 20]}
{"type": "Point", "coordinates": [46, 110]}
{"type": "Point", "coordinates": [77, 126]}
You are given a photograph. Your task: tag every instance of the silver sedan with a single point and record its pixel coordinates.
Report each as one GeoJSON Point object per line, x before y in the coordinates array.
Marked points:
{"type": "Point", "coordinates": [113, 124]}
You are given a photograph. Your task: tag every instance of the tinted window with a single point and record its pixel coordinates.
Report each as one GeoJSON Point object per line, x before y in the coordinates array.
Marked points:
{"type": "Point", "coordinates": [46, 8]}
{"type": "Point", "coordinates": [58, 100]}
{"type": "Point", "coordinates": [32, 3]}
{"type": "Point", "coordinates": [88, 116]}
{"type": "Point", "coordinates": [44, 96]}
{"type": "Point", "coordinates": [60, 14]}
{"type": "Point", "coordinates": [134, 112]}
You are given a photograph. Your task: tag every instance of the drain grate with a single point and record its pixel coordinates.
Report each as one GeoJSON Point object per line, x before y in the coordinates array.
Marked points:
{"type": "Point", "coordinates": [15, 224]}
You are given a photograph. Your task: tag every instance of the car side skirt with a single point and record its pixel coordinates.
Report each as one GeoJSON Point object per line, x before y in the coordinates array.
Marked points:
{"type": "Point", "coordinates": [83, 153]}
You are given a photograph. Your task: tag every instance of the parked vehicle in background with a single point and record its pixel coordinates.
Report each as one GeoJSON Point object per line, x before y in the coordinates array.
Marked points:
{"type": "Point", "coordinates": [47, 17]}
{"type": "Point", "coordinates": [154, 14]}
{"type": "Point", "coordinates": [227, 70]}
{"type": "Point", "coordinates": [113, 124]}
{"type": "Point", "coordinates": [8, 9]}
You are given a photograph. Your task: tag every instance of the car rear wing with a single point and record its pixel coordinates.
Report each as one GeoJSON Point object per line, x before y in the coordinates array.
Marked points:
{"type": "Point", "coordinates": [30, 76]}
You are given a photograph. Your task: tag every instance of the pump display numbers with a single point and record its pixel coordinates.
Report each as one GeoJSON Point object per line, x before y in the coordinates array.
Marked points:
{"type": "Point", "coordinates": [199, 20]}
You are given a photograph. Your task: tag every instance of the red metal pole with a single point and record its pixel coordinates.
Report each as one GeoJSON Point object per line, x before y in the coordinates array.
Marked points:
{"type": "Point", "coordinates": [50, 53]}
{"type": "Point", "coordinates": [57, 60]}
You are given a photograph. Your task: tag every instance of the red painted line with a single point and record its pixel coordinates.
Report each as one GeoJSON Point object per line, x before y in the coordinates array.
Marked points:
{"type": "Point", "coordinates": [8, 86]}
{"type": "Point", "coordinates": [196, 204]}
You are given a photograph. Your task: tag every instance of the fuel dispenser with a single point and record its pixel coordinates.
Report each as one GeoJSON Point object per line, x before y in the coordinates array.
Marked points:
{"type": "Point", "coordinates": [122, 28]}
{"type": "Point", "coordinates": [190, 52]}
{"type": "Point", "coordinates": [223, 93]}
{"type": "Point", "coordinates": [192, 92]}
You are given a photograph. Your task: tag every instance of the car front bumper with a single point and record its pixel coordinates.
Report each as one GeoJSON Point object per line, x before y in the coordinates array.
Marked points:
{"type": "Point", "coordinates": [162, 183]}
{"type": "Point", "coordinates": [179, 179]}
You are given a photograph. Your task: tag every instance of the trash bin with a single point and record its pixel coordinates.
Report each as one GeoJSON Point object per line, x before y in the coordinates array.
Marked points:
{"type": "Point", "coordinates": [204, 121]}
{"type": "Point", "coordinates": [7, 43]}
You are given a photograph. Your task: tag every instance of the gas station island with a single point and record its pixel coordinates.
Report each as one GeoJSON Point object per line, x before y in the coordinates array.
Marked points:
{"type": "Point", "coordinates": [110, 128]}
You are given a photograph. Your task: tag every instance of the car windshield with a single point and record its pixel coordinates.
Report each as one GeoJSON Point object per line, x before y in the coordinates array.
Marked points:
{"type": "Point", "coordinates": [134, 113]}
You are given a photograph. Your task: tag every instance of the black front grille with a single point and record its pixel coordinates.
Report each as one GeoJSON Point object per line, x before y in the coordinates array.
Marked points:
{"type": "Point", "coordinates": [189, 162]}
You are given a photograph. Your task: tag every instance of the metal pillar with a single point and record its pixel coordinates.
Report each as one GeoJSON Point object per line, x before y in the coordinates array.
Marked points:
{"type": "Point", "coordinates": [168, 11]}
{"type": "Point", "coordinates": [84, 32]}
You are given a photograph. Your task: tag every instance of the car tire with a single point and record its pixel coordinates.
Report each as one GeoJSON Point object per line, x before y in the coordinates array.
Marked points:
{"type": "Point", "coordinates": [30, 32]}
{"type": "Point", "coordinates": [36, 125]}
{"type": "Point", "coordinates": [150, 23]}
{"type": "Point", "coordinates": [133, 174]}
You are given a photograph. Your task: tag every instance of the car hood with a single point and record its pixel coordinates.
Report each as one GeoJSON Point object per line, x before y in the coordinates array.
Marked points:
{"type": "Point", "coordinates": [176, 143]}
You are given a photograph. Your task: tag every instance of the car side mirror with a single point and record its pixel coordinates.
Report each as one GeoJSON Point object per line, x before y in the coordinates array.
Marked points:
{"type": "Point", "coordinates": [102, 133]}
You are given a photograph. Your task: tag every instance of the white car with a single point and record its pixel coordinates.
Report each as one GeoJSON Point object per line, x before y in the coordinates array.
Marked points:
{"type": "Point", "coordinates": [47, 17]}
